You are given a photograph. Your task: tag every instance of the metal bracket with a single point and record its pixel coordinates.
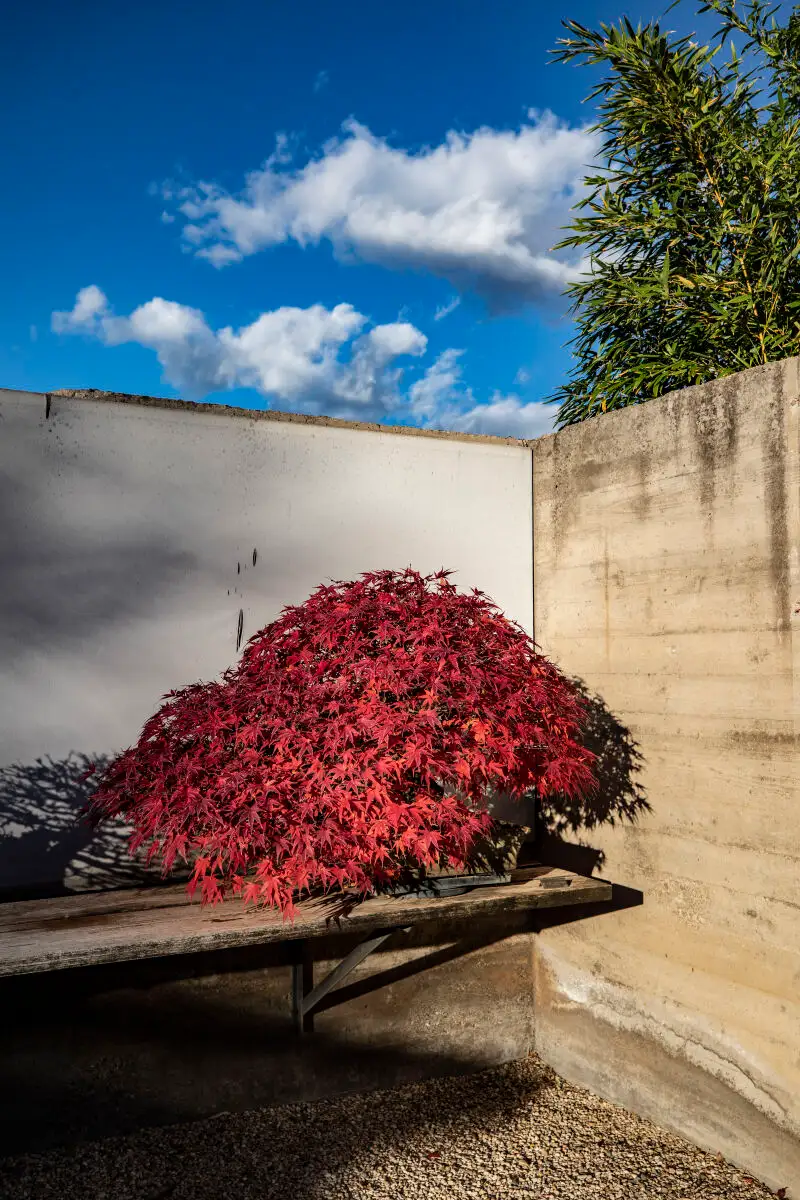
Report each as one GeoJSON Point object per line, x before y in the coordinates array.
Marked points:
{"type": "Point", "coordinates": [306, 997]}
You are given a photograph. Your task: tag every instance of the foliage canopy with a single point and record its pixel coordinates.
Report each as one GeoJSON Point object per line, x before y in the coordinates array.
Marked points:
{"type": "Point", "coordinates": [691, 230]}
{"type": "Point", "coordinates": [357, 736]}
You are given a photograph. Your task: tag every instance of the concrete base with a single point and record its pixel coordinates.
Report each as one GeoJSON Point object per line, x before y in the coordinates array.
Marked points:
{"type": "Point", "coordinates": [609, 1039]}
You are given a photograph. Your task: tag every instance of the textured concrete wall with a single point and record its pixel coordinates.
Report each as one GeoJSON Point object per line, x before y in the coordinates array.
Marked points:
{"type": "Point", "coordinates": [666, 576]}
{"type": "Point", "coordinates": [134, 533]}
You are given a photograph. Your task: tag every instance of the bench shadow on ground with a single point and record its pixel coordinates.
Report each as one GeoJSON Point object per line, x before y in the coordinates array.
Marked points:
{"type": "Point", "coordinates": [113, 1049]}
{"type": "Point", "coordinates": [276, 1153]}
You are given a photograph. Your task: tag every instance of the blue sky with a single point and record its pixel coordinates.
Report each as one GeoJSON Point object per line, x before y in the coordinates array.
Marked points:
{"type": "Point", "coordinates": [345, 209]}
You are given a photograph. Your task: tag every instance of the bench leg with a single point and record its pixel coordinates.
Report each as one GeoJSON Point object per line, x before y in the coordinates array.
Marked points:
{"type": "Point", "coordinates": [305, 997]}
{"type": "Point", "coordinates": [302, 986]}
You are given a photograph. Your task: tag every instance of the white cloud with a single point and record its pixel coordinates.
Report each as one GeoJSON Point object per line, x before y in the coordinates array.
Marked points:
{"type": "Point", "coordinates": [293, 355]}
{"type": "Point", "coordinates": [314, 360]}
{"type": "Point", "coordinates": [504, 416]}
{"type": "Point", "coordinates": [522, 376]}
{"type": "Point", "coordinates": [439, 386]}
{"type": "Point", "coordinates": [439, 400]}
{"type": "Point", "coordinates": [481, 210]}
{"type": "Point", "coordinates": [321, 80]}
{"type": "Point", "coordinates": [444, 310]}
{"type": "Point", "coordinates": [86, 315]}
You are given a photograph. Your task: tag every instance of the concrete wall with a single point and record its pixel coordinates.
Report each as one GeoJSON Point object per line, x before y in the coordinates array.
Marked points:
{"type": "Point", "coordinates": [666, 576]}
{"type": "Point", "coordinates": [134, 532]}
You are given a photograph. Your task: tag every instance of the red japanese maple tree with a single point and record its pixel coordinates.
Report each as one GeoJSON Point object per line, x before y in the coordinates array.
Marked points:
{"type": "Point", "coordinates": [357, 735]}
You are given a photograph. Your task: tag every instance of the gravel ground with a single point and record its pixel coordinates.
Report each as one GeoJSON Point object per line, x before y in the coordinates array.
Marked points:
{"type": "Point", "coordinates": [515, 1132]}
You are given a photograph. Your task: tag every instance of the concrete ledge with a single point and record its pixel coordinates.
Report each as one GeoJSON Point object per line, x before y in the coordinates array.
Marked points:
{"type": "Point", "coordinates": [259, 414]}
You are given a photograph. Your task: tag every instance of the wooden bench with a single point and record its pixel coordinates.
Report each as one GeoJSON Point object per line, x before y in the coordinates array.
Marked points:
{"type": "Point", "coordinates": [120, 926]}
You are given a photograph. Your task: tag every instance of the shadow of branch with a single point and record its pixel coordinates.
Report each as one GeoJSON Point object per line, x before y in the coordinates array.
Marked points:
{"type": "Point", "coordinates": [620, 797]}
{"type": "Point", "coordinates": [46, 848]}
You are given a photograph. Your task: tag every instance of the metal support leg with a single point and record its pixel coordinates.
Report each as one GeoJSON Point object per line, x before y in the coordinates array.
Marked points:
{"type": "Point", "coordinates": [306, 997]}
{"type": "Point", "coordinates": [302, 985]}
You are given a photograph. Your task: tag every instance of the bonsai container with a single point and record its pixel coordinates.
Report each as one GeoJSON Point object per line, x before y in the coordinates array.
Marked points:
{"type": "Point", "coordinates": [491, 861]}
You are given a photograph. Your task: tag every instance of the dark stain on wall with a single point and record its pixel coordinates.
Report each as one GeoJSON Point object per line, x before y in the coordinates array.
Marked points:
{"type": "Point", "coordinates": [762, 743]}
{"type": "Point", "coordinates": [774, 449]}
{"type": "Point", "coordinates": [673, 407]}
{"type": "Point", "coordinates": [641, 501]}
{"type": "Point", "coordinates": [239, 630]}
{"type": "Point", "coordinates": [591, 475]}
{"type": "Point", "coordinates": [574, 476]}
{"type": "Point", "coordinates": [571, 476]}
{"type": "Point", "coordinates": [556, 495]}
{"type": "Point", "coordinates": [715, 427]}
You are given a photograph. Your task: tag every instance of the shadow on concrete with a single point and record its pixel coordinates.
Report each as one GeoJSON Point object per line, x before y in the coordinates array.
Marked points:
{"type": "Point", "coordinates": [620, 797]}
{"type": "Point", "coordinates": [488, 932]}
{"type": "Point", "coordinates": [621, 897]}
{"type": "Point", "coordinates": [46, 848]}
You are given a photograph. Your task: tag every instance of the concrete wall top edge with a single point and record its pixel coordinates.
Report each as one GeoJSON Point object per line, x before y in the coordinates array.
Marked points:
{"type": "Point", "coordinates": [230, 410]}
{"type": "Point", "coordinates": [696, 391]}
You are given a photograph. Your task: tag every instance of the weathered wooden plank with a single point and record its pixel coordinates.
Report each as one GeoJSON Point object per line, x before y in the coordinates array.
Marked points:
{"type": "Point", "coordinates": [72, 931]}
